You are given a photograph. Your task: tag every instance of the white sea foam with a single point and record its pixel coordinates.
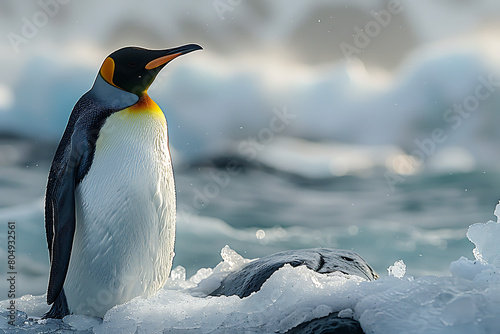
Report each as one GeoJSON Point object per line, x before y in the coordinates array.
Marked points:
{"type": "Point", "coordinates": [331, 107]}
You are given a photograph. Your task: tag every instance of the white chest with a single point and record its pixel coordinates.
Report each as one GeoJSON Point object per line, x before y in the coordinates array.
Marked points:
{"type": "Point", "coordinates": [125, 206]}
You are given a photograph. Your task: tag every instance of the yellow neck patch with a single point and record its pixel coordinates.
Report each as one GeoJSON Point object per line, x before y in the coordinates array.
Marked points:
{"type": "Point", "coordinates": [146, 105]}
{"type": "Point", "coordinates": [107, 70]}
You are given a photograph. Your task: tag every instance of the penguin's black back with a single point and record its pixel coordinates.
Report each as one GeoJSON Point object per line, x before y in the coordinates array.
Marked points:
{"type": "Point", "coordinates": [71, 163]}
{"type": "Point", "coordinates": [87, 115]}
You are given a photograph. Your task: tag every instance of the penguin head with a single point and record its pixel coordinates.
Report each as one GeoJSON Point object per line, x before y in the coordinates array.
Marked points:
{"type": "Point", "coordinates": [134, 69]}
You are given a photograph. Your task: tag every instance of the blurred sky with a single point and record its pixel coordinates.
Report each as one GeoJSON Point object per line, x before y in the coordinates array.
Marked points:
{"type": "Point", "coordinates": [308, 33]}
{"type": "Point", "coordinates": [304, 32]}
{"type": "Point", "coordinates": [312, 56]}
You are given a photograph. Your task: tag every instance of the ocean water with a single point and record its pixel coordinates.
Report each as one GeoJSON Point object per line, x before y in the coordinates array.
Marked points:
{"type": "Point", "coordinates": [422, 221]}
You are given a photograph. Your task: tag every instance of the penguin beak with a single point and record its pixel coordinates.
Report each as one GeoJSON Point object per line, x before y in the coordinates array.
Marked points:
{"type": "Point", "coordinates": [170, 54]}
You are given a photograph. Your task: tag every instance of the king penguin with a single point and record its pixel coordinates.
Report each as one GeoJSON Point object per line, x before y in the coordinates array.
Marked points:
{"type": "Point", "coordinates": [110, 204]}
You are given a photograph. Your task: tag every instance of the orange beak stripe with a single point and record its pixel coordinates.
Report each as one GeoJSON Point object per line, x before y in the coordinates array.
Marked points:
{"type": "Point", "coordinates": [160, 61]}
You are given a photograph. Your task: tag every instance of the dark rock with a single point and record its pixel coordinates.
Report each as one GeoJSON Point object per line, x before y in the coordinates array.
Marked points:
{"type": "Point", "coordinates": [322, 260]}
{"type": "Point", "coordinates": [331, 324]}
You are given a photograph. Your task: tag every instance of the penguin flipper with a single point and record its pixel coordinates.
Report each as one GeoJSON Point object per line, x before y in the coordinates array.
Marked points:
{"type": "Point", "coordinates": [63, 222]}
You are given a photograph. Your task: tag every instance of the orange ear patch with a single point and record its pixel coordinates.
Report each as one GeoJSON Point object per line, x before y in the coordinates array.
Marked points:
{"type": "Point", "coordinates": [108, 69]}
{"type": "Point", "coordinates": [160, 61]}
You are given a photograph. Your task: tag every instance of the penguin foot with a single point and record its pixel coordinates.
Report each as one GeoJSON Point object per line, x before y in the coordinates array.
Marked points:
{"type": "Point", "coordinates": [59, 309]}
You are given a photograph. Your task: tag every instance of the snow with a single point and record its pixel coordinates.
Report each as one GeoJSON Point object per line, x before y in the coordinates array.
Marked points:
{"type": "Point", "coordinates": [468, 301]}
{"type": "Point", "coordinates": [295, 294]}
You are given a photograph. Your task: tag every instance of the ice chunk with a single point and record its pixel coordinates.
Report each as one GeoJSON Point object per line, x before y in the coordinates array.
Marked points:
{"type": "Point", "coordinates": [201, 274]}
{"type": "Point", "coordinates": [467, 269]}
{"type": "Point", "coordinates": [24, 323]}
{"type": "Point", "coordinates": [461, 310]}
{"type": "Point", "coordinates": [178, 273]}
{"type": "Point", "coordinates": [32, 305]}
{"type": "Point", "coordinates": [430, 305]}
{"type": "Point", "coordinates": [398, 269]}
{"type": "Point", "coordinates": [211, 280]}
{"type": "Point", "coordinates": [81, 322]}
{"type": "Point", "coordinates": [347, 313]}
{"type": "Point", "coordinates": [231, 257]}
{"type": "Point", "coordinates": [486, 238]}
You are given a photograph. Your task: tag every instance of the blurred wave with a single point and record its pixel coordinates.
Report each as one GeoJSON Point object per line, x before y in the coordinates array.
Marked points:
{"type": "Point", "coordinates": [403, 87]}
